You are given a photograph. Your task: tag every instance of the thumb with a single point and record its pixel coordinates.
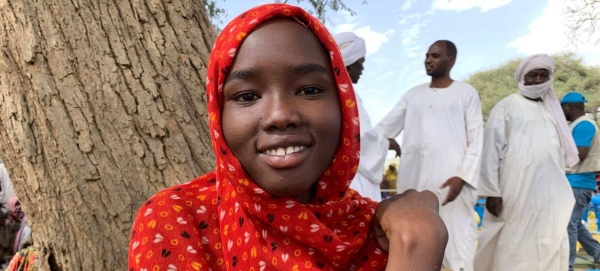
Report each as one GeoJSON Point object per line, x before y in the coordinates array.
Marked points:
{"type": "Point", "coordinates": [446, 199]}
{"type": "Point", "coordinates": [445, 184]}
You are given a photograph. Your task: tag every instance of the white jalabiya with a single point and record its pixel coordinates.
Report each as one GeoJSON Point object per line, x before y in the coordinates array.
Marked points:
{"type": "Point", "coordinates": [373, 150]}
{"type": "Point", "coordinates": [443, 135]}
{"type": "Point", "coordinates": [373, 146]}
{"type": "Point", "coordinates": [523, 163]}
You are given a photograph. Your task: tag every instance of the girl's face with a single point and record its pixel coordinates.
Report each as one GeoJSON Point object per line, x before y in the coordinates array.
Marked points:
{"type": "Point", "coordinates": [281, 112]}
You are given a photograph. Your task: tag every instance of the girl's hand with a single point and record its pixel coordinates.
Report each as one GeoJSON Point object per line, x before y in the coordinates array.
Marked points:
{"type": "Point", "coordinates": [410, 229]}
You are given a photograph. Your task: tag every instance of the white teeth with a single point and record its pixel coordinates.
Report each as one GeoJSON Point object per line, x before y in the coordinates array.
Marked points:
{"type": "Point", "coordinates": [285, 151]}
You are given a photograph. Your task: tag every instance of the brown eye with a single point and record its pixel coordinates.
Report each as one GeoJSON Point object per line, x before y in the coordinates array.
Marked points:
{"type": "Point", "coordinates": [310, 91]}
{"type": "Point", "coordinates": [246, 97]}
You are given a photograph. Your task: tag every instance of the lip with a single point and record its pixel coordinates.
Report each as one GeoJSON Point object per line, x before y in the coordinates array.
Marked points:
{"type": "Point", "coordinates": [287, 160]}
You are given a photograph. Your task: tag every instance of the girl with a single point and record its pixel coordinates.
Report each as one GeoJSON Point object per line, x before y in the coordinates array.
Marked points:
{"type": "Point", "coordinates": [284, 128]}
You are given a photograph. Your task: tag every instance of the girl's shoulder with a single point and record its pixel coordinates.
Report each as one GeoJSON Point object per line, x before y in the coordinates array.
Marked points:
{"type": "Point", "coordinates": [171, 225]}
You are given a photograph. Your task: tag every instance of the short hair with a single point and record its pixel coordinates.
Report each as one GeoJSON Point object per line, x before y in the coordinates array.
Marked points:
{"type": "Point", "coordinates": [450, 47]}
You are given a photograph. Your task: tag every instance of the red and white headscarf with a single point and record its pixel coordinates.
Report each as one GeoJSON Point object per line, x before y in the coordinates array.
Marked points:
{"type": "Point", "coordinates": [224, 221]}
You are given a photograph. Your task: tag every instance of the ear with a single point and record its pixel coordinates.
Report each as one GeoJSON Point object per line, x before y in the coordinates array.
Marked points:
{"type": "Point", "coordinates": [451, 61]}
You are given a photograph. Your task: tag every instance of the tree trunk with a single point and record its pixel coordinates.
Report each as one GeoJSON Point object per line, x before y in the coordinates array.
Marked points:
{"type": "Point", "coordinates": [102, 104]}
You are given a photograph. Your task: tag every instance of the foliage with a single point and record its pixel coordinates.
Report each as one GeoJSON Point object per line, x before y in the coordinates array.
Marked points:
{"type": "Point", "coordinates": [215, 13]}
{"type": "Point", "coordinates": [319, 8]}
{"type": "Point", "coordinates": [570, 75]}
{"type": "Point", "coordinates": [583, 19]}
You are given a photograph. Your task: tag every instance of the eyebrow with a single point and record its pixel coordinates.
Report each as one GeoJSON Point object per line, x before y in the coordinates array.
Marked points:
{"type": "Point", "coordinates": [243, 75]}
{"type": "Point", "coordinates": [543, 72]}
{"type": "Point", "coordinates": [305, 68]}
{"type": "Point", "coordinates": [250, 74]}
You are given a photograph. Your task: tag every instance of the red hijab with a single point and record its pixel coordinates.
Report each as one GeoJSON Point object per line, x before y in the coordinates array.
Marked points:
{"type": "Point", "coordinates": [224, 221]}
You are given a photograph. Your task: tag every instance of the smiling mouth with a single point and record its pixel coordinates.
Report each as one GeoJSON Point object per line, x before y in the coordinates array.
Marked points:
{"type": "Point", "coordinates": [285, 157]}
{"type": "Point", "coordinates": [284, 151]}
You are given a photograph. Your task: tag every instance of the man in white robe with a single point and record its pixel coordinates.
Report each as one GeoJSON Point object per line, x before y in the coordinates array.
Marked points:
{"type": "Point", "coordinates": [373, 146]}
{"type": "Point", "coordinates": [529, 204]}
{"type": "Point", "coordinates": [441, 147]}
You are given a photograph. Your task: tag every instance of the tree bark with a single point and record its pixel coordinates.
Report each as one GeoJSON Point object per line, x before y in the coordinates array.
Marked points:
{"type": "Point", "coordinates": [102, 104]}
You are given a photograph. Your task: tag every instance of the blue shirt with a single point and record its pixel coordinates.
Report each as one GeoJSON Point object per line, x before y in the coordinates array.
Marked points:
{"type": "Point", "coordinates": [583, 133]}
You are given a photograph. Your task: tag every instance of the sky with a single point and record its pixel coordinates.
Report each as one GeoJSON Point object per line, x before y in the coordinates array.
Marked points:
{"type": "Point", "coordinates": [487, 33]}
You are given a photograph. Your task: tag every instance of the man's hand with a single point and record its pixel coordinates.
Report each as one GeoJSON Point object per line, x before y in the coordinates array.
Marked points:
{"type": "Point", "coordinates": [408, 227]}
{"type": "Point", "coordinates": [394, 146]}
{"type": "Point", "coordinates": [455, 185]}
{"type": "Point", "coordinates": [494, 205]}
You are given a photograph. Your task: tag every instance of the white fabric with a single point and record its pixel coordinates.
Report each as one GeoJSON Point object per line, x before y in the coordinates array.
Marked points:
{"type": "Point", "coordinates": [523, 163]}
{"type": "Point", "coordinates": [373, 146]}
{"type": "Point", "coordinates": [443, 135]}
{"type": "Point", "coordinates": [351, 46]}
{"type": "Point", "coordinates": [373, 150]}
{"type": "Point", "coordinates": [7, 188]}
{"type": "Point", "coordinates": [551, 103]}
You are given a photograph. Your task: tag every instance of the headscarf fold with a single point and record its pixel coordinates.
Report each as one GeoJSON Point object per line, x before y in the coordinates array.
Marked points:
{"type": "Point", "coordinates": [230, 223]}
{"type": "Point", "coordinates": [352, 47]}
{"type": "Point", "coordinates": [546, 92]}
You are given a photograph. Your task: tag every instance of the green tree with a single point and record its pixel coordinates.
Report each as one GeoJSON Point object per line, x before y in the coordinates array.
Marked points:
{"type": "Point", "coordinates": [570, 75]}
{"type": "Point", "coordinates": [318, 8]}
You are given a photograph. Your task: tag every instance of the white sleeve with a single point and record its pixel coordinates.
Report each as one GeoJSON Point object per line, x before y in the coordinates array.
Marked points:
{"type": "Point", "coordinates": [373, 148]}
{"type": "Point", "coordinates": [469, 169]}
{"type": "Point", "coordinates": [494, 145]}
{"type": "Point", "coordinates": [393, 123]}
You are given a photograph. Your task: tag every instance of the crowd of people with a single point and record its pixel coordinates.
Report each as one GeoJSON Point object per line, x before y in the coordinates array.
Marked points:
{"type": "Point", "coordinates": [298, 165]}
{"type": "Point", "coordinates": [522, 161]}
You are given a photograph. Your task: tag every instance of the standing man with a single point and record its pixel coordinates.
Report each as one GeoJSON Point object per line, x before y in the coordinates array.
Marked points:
{"type": "Point", "coordinates": [443, 135]}
{"type": "Point", "coordinates": [582, 176]}
{"type": "Point", "coordinates": [373, 146]}
{"type": "Point", "coordinates": [529, 204]}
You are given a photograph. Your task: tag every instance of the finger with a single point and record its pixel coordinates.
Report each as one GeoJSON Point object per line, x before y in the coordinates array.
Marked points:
{"type": "Point", "coordinates": [448, 199]}
{"type": "Point", "coordinates": [451, 197]}
{"type": "Point", "coordinates": [445, 184]}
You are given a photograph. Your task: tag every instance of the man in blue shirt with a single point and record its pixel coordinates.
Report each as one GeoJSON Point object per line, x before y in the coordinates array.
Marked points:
{"type": "Point", "coordinates": [582, 176]}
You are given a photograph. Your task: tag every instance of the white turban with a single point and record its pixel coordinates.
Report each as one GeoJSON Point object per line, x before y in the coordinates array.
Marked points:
{"type": "Point", "coordinates": [545, 91]}
{"type": "Point", "coordinates": [351, 46]}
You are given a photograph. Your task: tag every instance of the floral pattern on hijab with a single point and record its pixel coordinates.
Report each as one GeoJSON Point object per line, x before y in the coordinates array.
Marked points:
{"type": "Point", "coordinates": [224, 221]}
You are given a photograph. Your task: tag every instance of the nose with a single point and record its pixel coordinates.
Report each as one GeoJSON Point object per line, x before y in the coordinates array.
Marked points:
{"type": "Point", "coordinates": [539, 79]}
{"type": "Point", "coordinates": [281, 112]}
